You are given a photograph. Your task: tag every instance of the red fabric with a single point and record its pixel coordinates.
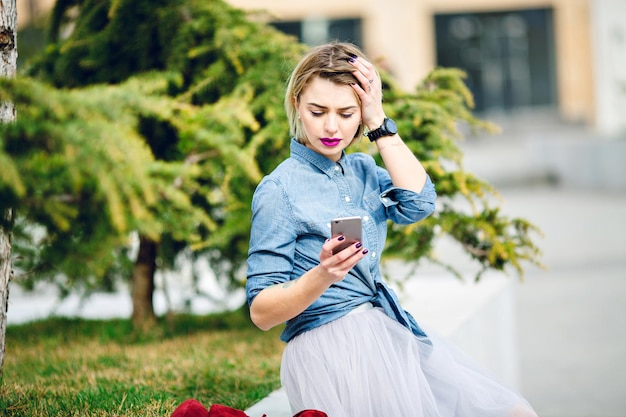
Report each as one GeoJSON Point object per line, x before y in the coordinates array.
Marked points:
{"type": "Point", "coordinates": [311, 413]}
{"type": "Point", "coordinates": [190, 408]}
{"type": "Point", "coordinates": [193, 408]}
{"type": "Point", "coordinates": [218, 410]}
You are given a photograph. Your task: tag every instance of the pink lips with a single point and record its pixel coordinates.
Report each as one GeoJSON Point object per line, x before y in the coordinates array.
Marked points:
{"type": "Point", "coordinates": [330, 142]}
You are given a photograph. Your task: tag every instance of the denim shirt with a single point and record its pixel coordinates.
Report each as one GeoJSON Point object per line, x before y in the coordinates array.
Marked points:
{"type": "Point", "coordinates": [291, 212]}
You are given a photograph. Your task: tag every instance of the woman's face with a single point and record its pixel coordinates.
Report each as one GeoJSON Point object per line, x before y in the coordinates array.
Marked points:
{"type": "Point", "coordinates": [330, 114]}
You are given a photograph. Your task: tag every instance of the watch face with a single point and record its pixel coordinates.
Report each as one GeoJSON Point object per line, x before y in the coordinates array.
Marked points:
{"type": "Point", "coordinates": [390, 126]}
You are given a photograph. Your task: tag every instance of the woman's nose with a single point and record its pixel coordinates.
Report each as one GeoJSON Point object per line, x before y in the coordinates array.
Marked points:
{"type": "Point", "coordinates": [331, 125]}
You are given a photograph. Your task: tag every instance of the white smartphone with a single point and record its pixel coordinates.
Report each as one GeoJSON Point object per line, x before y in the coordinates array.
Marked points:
{"type": "Point", "coordinates": [350, 227]}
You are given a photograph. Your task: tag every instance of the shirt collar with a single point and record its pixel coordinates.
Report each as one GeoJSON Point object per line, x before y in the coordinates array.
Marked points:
{"type": "Point", "coordinates": [301, 152]}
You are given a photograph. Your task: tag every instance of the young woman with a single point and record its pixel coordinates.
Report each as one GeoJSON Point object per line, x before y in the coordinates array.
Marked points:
{"type": "Point", "coordinates": [351, 349]}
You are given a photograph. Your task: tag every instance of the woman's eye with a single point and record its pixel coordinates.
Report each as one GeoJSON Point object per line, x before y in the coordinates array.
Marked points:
{"type": "Point", "coordinates": [317, 113]}
{"type": "Point", "coordinates": [346, 115]}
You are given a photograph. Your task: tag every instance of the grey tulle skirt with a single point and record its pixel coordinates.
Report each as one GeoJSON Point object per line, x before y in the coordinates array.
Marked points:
{"type": "Point", "coordinates": [368, 365]}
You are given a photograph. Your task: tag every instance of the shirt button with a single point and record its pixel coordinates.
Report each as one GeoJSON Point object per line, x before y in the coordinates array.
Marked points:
{"type": "Point", "coordinates": [347, 199]}
{"type": "Point", "coordinates": [373, 254]}
{"type": "Point", "coordinates": [366, 218]}
{"type": "Point", "coordinates": [336, 167]}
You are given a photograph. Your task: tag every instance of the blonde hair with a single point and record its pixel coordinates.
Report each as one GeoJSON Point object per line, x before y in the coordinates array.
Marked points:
{"type": "Point", "coordinates": [328, 61]}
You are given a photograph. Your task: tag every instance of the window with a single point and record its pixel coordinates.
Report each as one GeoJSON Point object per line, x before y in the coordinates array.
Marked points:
{"type": "Point", "coordinates": [315, 31]}
{"type": "Point", "coordinates": [508, 56]}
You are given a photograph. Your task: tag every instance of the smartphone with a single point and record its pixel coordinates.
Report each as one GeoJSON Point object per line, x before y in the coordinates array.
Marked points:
{"type": "Point", "coordinates": [350, 228]}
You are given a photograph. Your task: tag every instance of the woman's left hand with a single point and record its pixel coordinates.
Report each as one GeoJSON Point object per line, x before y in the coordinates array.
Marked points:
{"type": "Point", "coordinates": [369, 91]}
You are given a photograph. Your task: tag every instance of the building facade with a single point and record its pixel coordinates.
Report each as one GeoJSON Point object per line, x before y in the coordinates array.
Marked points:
{"type": "Point", "coordinates": [563, 55]}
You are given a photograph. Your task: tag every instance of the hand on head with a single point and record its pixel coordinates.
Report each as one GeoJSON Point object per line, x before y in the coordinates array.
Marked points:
{"type": "Point", "coordinates": [369, 91]}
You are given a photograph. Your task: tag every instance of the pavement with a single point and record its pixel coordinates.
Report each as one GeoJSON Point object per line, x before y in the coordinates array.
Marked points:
{"type": "Point", "coordinates": [571, 331]}
{"type": "Point", "coordinates": [570, 317]}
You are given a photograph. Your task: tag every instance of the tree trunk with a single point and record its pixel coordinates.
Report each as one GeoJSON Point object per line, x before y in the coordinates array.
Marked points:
{"type": "Point", "coordinates": [143, 285]}
{"type": "Point", "coordinates": [8, 66]}
{"type": "Point", "coordinates": [6, 273]}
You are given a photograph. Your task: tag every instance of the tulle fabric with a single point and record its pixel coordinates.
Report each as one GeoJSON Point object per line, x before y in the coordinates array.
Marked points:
{"type": "Point", "coordinates": [368, 365]}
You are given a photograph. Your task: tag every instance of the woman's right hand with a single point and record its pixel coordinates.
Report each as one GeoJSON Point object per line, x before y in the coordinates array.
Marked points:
{"type": "Point", "coordinates": [281, 302]}
{"type": "Point", "coordinates": [337, 265]}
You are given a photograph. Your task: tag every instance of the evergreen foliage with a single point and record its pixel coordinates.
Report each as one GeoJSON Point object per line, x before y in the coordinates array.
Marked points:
{"type": "Point", "coordinates": [81, 177]}
{"type": "Point", "coordinates": [161, 117]}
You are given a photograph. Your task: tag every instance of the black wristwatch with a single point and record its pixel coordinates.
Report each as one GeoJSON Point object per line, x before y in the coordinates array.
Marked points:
{"type": "Point", "coordinates": [388, 128]}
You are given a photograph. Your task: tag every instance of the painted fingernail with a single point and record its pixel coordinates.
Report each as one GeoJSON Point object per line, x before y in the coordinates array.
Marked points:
{"type": "Point", "coordinates": [352, 60]}
{"type": "Point", "coordinates": [365, 251]}
{"type": "Point", "coordinates": [359, 244]}
{"type": "Point", "coordinates": [341, 238]}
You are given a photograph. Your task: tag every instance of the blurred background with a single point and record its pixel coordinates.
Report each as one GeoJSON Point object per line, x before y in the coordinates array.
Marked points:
{"type": "Point", "coordinates": [552, 75]}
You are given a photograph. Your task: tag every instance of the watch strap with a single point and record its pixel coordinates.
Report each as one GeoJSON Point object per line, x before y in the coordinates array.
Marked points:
{"type": "Point", "coordinates": [380, 131]}
{"type": "Point", "coordinates": [375, 134]}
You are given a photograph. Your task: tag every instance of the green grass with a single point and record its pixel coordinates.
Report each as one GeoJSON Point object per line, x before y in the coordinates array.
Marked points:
{"type": "Point", "coordinates": [71, 367]}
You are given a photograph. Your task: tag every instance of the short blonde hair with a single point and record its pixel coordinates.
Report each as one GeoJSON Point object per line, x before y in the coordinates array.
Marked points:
{"type": "Point", "coordinates": [328, 61]}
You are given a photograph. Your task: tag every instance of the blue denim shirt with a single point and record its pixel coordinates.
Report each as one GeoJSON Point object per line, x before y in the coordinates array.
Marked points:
{"type": "Point", "coordinates": [291, 213]}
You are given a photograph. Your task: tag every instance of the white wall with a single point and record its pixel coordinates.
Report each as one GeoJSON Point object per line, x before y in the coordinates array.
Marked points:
{"type": "Point", "coordinates": [609, 40]}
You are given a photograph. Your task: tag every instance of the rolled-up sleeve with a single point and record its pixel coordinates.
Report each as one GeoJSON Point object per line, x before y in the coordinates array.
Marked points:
{"type": "Point", "coordinates": [405, 206]}
{"type": "Point", "coordinates": [272, 240]}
